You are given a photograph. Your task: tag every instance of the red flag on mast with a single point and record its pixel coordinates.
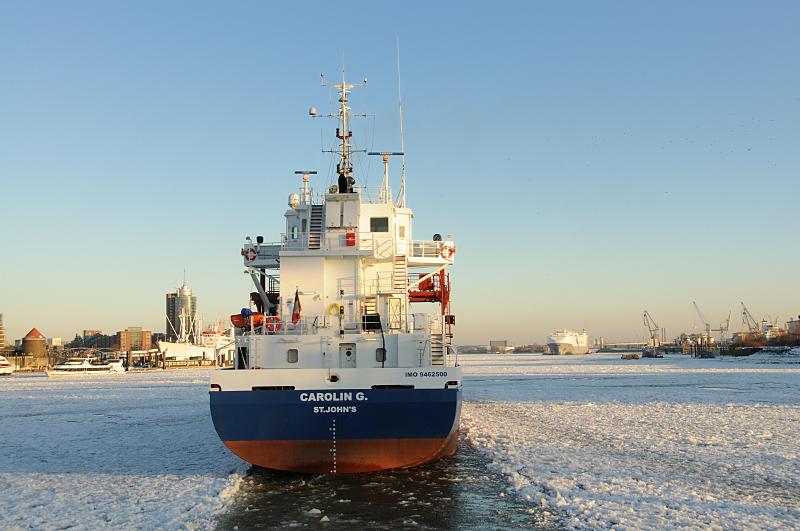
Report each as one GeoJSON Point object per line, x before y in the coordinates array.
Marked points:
{"type": "Point", "coordinates": [297, 308]}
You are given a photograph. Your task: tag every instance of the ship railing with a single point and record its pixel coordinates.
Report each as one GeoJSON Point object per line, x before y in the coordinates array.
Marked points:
{"type": "Point", "coordinates": [311, 197]}
{"type": "Point", "coordinates": [381, 244]}
{"type": "Point", "coordinates": [313, 324]}
{"type": "Point", "coordinates": [297, 243]}
{"type": "Point", "coordinates": [426, 249]}
{"type": "Point", "coordinates": [306, 325]}
{"type": "Point", "coordinates": [309, 324]}
{"type": "Point", "coordinates": [268, 252]}
{"type": "Point", "coordinates": [373, 194]}
{"type": "Point", "coordinates": [382, 283]}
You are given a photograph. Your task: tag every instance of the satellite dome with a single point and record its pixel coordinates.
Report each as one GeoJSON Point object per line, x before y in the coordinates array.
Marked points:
{"type": "Point", "coordinates": [294, 200]}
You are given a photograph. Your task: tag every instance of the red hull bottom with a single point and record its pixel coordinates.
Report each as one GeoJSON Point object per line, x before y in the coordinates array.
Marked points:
{"type": "Point", "coordinates": [343, 456]}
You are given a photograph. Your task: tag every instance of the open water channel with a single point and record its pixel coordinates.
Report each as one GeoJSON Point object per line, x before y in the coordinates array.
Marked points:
{"type": "Point", "coordinates": [453, 493]}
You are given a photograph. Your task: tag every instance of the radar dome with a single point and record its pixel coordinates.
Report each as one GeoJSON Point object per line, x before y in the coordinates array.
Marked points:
{"type": "Point", "coordinates": [294, 200]}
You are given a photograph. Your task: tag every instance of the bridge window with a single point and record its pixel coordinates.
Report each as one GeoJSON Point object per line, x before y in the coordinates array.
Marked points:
{"type": "Point", "coordinates": [291, 355]}
{"type": "Point", "coordinates": [379, 224]}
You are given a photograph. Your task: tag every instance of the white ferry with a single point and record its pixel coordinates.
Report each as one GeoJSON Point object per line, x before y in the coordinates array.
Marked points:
{"type": "Point", "coordinates": [6, 367]}
{"type": "Point", "coordinates": [338, 369]}
{"type": "Point", "coordinates": [87, 365]}
{"type": "Point", "coordinates": [568, 342]}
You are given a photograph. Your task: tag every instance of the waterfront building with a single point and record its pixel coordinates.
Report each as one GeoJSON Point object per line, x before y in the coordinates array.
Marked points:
{"type": "Point", "coordinates": [134, 338]}
{"type": "Point", "coordinates": [34, 350]}
{"type": "Point", "coordinates": [181, 314]}
{"type": "Point", "coordinates": [90, 333]}
{"type": "Point", "coordinates": [34, 344]}
{"type": "Point", "coordinates": [100, 340]}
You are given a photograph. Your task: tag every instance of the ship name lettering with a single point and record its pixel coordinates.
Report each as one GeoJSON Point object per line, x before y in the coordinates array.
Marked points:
{"type": "Point", "coordinates": [335, 409]}
{"type": "Point", "coordinates": [326, 397]}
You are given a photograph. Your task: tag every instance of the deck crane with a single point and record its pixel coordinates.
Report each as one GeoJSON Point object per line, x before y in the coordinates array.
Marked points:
{"type": "Point", "coordinates": [655, 331]}
{"type": "Point", "coordinates": [748, 321]}
{"type": "Point", "coordinates": [703, 320]}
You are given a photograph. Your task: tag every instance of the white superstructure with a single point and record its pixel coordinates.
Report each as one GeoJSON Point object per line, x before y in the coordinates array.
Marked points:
{"type": "Point", "coordinates": [350, 258]}
{"type": "Point", "coordinates": [85, 366]}
{"type": "Point", "coordinates": [6, 367]}
{"type": "Point", "coordinates": [568, 342]}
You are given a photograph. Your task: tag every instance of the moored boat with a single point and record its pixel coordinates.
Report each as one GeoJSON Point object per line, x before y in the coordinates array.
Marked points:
{"type": "Point", "coordinates": [6, 367]}
{"type": "Point", "coordinates": [86, 365]}
{"type": "Point", "coordinates": [652, 352]}
{"type": "Point", "coordinates": [336, 371]}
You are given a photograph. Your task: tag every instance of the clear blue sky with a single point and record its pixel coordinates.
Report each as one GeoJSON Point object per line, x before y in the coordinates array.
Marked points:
{"type": "Point", "coordinates": [591, 159]}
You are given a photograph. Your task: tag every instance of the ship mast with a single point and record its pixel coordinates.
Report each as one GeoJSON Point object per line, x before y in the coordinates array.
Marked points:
{"type": "Point", "coordinates": [345, 167]}
{"type": "Point", "coordinates": [343, 133]}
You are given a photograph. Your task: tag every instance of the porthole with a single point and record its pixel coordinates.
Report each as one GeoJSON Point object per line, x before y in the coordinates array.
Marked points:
{"type": "Point", "coordinates": [291, 355]}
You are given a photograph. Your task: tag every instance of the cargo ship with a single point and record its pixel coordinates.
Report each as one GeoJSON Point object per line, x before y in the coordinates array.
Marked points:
{"type": "Point", "coordinates": [568, 342]}
{"type": "Point", "coordinates": [338, 366]}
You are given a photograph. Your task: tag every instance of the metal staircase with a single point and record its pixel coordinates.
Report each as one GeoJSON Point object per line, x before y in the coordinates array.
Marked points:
{"type": "Point", "coordinates": [369, 305]}
{"type": "Point", "coordinates": [400, 273]}
{"type": "Point", "coordinates": [437, 349]}
{"type": "Point", "coordinates": [315, 229]}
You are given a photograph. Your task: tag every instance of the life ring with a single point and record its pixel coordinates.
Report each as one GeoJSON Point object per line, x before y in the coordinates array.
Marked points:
{"type": "Point", "coordinates": [448, 251]}
{"type": "Point", "coordinates": [249, 254]}
{"type": "Point", "coordinates": [333, 310]}
{"type": "Point", "coordinates": [274, 324]}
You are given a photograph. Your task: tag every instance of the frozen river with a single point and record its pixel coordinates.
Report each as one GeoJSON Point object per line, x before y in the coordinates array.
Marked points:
{"type": "Point", "coordinates": [590, 441]}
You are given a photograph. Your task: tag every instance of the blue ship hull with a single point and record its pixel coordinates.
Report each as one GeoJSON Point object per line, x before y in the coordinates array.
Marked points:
{"type": "Point", "coordinates": [349, 430]}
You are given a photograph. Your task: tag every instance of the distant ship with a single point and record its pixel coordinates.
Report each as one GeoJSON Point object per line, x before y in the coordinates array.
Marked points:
{"type": "Point", "coordinates": [568, 342]}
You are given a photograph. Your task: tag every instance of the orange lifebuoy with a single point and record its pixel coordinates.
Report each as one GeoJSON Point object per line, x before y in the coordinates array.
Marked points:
{"type": "Point", "coordinates": [249, 254]}
{"type": "Point", "coordinates": [448, 251]}
{"type": "Point", "coordinates": [274, 324]}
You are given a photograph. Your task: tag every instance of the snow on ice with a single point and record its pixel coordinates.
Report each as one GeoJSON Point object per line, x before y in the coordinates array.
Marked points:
{"type": "Point", "coordinates": [594, 440]}
{"type": "Point", "coordinates": [646, 444]}
{"type": "Point", "coordinates": [129, 451]}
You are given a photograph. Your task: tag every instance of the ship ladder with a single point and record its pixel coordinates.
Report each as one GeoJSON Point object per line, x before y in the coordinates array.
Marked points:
{"type": "Point", "coordinates": [400, 273]}
{"type": "Point", "coordinates": [315, 230]}
{"type": "Point", "coordinates": [370, 305]}
{"type": "Point", "coordinates": [437, 349]}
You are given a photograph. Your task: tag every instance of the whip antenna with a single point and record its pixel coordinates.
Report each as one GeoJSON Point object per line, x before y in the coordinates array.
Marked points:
{"type": "Point", "coordinates": [401, 201]}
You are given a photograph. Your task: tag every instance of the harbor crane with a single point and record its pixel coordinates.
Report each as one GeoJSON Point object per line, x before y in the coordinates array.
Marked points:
{"type": "Point", "coordinates": [722, 329]}
{"type": "Point", "coordinates": [704, 321]}
{"type": "Point", "coordinates": [748, 321]}
{"type": "Point", "coordinates": [656, 332]}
